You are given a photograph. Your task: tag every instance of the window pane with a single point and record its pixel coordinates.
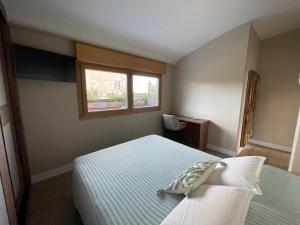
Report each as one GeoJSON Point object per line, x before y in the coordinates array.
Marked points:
{"type": "Point", "coordinates": [145, 91]}
{"type": "Point", "coordinates": [106, 90]}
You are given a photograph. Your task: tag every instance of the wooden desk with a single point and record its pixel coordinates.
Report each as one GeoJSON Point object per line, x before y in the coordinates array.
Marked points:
{"type": "Point", "coordinates": [196, 132]}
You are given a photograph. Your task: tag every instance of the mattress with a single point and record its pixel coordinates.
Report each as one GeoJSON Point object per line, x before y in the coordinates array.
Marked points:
{"type": "Point", "coordinates": [117, 185]}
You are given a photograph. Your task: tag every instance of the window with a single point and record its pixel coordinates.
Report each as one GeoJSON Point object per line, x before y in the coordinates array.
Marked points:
{"type": "Point", "coordinates": [111, 82]}
{"type": "Point", "coordinates": [145, 91]}
{"type": "Point", "coordinates": [107, 91]}
{"type": "Point", "coordinates": [117, 84]}
{"type": "Point", "coordinates": [101, 91]}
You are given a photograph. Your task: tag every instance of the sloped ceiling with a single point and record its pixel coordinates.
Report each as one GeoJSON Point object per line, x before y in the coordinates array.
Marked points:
{"type": "Point", "coordinates": [164, 30]}
{"type": "Point", "coordinates": [278, 23]}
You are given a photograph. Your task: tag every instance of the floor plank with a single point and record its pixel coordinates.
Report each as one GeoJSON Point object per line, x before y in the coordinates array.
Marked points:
{"type": "Point", "coordinates": [218, 154]}
{"type": "Point", "coordinates": [50, 202]}
{"type": "Point", "coordinates": [273, 157]}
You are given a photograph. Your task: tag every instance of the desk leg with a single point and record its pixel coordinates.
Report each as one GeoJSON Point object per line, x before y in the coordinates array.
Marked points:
{"type": "Point", "coordinates": [203, 136]}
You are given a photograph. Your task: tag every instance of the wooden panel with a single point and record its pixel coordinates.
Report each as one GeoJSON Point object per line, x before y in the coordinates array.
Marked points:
{"type": "Point", "coordinates": [6, 182]}
{"type": "Point", "coordinates": [3, 100]}
{"type": "Point", "coordinates": [3, 211]}
{"type": "Point", "coordinates": [192, 134]}
{"type": "Point", "coordinates": [107, 57]}
{"type": "Point", "coordinates": [11, 157]}
{"type": "Point", "coordinates": [196, 132]}
{"type": "Point", "coordinates": [190, 119]}
{"type": "Point", "coordinates": [15, 204]}
{"type": "Point", "coordinates": [4, 114]}
{"type": "Point", "coordinates": [15, 106]}
{"type": "Point", "coordinates": [203, 135]}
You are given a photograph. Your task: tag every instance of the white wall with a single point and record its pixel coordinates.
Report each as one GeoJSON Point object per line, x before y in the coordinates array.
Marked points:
{"type": "Point", "coordinates": [279, 92]}
{"type": "Point", "coordinates": [209, 82]}
{"type": "Point", "coordinates": [54, 133]}
{"type": "Point", "coordinates": [251, 64]}
{"type": "Point", "coordinates": [254, 43]}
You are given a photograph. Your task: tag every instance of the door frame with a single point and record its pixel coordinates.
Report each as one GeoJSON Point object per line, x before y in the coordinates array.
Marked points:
{"type": "Point", "coordinates": [249, 107]}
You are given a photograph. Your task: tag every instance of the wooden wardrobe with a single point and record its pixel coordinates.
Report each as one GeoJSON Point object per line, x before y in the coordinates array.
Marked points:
{"type": "Point", "coordinates": [14, 170]}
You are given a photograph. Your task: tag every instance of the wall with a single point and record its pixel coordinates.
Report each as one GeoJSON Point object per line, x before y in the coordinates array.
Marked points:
{"type": "Point", "coordinates": [54, 134]}
{"type": "Point", "coordinates": [253, 50]}
{"type": "Point", "coordinates": [208, 83]}
{"type": "Point", "coordinates": [251, 64]}
{"type": "Point", "coordinates": [279, 93]}
{"type": "Point", "coordinates": [295, 155]}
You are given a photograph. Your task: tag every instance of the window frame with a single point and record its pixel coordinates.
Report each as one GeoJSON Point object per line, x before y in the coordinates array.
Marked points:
{"type": "Point", "coordinates": [82, 91]}
{"type": "Point", "coordinates": [146, 108]}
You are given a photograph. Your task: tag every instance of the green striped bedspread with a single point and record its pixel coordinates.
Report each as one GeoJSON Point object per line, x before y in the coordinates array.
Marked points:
{"type": "Point", "coordinates": [117, 185]}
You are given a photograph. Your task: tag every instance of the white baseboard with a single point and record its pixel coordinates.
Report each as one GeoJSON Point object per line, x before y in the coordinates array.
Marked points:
{"type": "Point", "coordinates": [222, 150]}
{"type": "Point", "coordinates": [271, 145]}
{"type": "Point", "coordinates": [51, 173]}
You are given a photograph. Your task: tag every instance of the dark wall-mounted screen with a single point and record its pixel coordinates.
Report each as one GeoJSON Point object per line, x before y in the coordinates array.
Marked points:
{"type": "Point", "coordinates": [38, 64]}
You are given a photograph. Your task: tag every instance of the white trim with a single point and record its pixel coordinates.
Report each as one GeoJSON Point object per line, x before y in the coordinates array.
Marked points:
{"type": "Point", "coordinates": [51, 173]}
{"type": "Point", "coordinates": [293, 167]}
{"type": "Point", "coordinates": [222, 150]}
{"type": "Point", "coordinates": [271, 145]}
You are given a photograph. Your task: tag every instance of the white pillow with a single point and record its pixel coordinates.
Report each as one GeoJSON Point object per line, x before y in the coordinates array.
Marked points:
{"type": "Point", "coordinates": [238, 172]}
{"type": "Point", "coordinates": [212, 205]}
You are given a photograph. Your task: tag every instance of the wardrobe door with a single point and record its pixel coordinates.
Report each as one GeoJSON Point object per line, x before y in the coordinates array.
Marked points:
{"type": "Point", "coordinates": [3, 210]}
{"type": "Point", "coordinates": [14, 169]}
{"type": "Point", "coordinates": [11, 178]}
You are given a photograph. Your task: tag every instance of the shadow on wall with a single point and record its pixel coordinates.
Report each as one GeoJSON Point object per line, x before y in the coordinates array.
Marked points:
{"type": "Point", "coordinates": [216, 101]}
{"type": "Point", "coordinates": [56, 135]}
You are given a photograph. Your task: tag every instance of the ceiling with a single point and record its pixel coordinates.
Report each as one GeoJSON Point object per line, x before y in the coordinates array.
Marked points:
{"type": "Point", "coordinates": [164, 30]}
{"type": "Point", "coordinates": [278, 23]}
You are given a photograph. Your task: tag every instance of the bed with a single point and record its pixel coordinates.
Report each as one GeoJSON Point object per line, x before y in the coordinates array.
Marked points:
{"type": "Point", "coordinates": [117, 185]}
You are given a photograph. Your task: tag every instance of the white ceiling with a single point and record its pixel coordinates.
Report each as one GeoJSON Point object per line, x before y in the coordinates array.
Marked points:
{"type": "Point", "coordinates": [160, 29]}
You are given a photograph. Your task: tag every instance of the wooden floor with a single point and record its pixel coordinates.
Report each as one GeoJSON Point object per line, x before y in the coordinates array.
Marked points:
{"type": "Point", "coordinates": [219, 154]}
{"type": "Point", "coordinates": [273, 157]}
{"type": "Point", "coordinates": [50, 202]}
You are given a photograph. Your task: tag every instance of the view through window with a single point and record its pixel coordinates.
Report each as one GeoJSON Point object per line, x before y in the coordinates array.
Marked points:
{"type": "Point", "coordinates": [106, 90]}
{"type": "Point", "coordinates": [145, 91]}
{"type": "Point", "coordinates": [109, 91]}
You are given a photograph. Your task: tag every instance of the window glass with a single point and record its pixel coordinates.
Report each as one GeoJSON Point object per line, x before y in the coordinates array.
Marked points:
{"type": "Point", "coordinates": [106, 90]}
{"type": "Point", "coordinates": [145, 91]}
